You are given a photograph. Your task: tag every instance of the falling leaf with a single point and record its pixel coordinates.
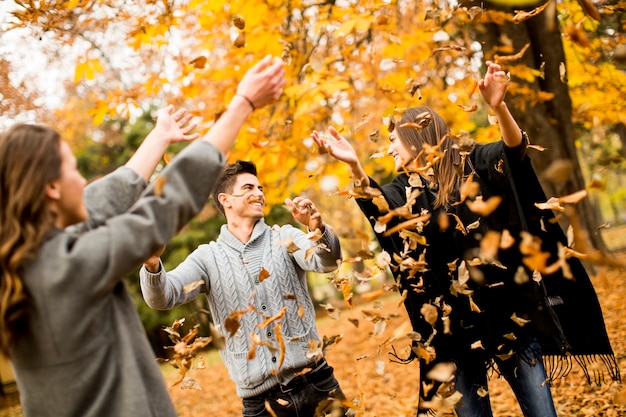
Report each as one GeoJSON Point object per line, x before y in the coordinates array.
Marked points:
{"type": "Point", "coordinates": [240, 40]}
{"type": "Point", "coordinates": [477, 345]}
{"type": "Point", "coordinates": [159, 183]}
{"type": "Point", "coordinates": [563, 73]}
{"type": "Point", "coordinates": [217, 338]}
{"type": "Point", "coordinates": [332, 340]}
{"type": "Point", "coordinates": [185, 348]}
{"type": "Point", "coordinates": [471, 108]}
{"type": "Point", "coordinates": [311, 251]}
{"type": "Point", "coordinates": [364, 120]}
{"type": "Point", "coordinates": [402, 297]}
{"type": "Point", "coordinates": [346, 291]}
{"type": "Point", "coordinates": [484, 207]}
{"type": "Point", "coordinates": [192, 286]}
{"type": "Point", "coordinates": [372, 295]}
{"type": "Point", "coordinates": [199, 62]}
{"type": "Point", "coordinates": [290, 244]}
{"type": "Point", "coordinates": [422, 219]}
{"type": "Point", "coordinates": [301, 311]}
{"type": "Point", "coordinates": [281, 343]}
{"type": "Point", "coordinates": [489, 246]}
{"type": "Point", "coordinates": [282, 402]}
{"type": "Point", "coordinates": [559, 170]}
{"type": "Point", "coordinates": [333, 312]}
{"type": "Point", "coordinates": [379, 327]}
{"type": "Point", "coordinates": [430, 313]}
{"type": "Point", "coordinates": [521, 276]}
{"type": "Point", "coordinates": [442, 372]}
{"type": "Point", "coordinates": [473, 306]}
{"type": "Point", "coordinates": [315, 235]}
{"type": "Point", "coordinates": [469, 189]}
{"type": "Point", "coordinates": [499, 59]}
{"type": "Point", "coordinates": [272, 319]}
{"type": "Point", "coordinates": [590, 9]}
{"type": "Point", "coordinates": [231, 324]}
{"type": "Point", "coordinates": [519, 320]}
{"type": "Point", "coordinates": [576, 34]}
{"type": "Point", "coordinates": [315, 350]}
{"type": "Point", "coordinates": [264, 274]}
{"type": "Point", "coordinates": [268, 408]}
{"type": "Point", "coordinates": [239, 22]}
{"type": "Point", "coordinates": [522, 15]}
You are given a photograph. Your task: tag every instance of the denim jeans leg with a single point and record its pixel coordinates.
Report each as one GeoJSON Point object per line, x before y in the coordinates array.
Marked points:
{"type": "Point", "coordinates": [318, 394]}
{"type": "Point", "coordinates": [470, 377]}
{"type": "Point", "coordinates": [529, 382]}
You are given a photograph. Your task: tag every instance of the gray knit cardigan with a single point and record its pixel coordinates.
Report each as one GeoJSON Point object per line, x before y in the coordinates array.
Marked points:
{"type": "Point", "coordinates": [83, 351]}
{"type": "Point", "coordinates": [230, 271]}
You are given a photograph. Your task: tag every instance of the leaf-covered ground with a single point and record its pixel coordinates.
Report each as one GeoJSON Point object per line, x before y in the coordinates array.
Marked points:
{"type": "Point", "coordinates": [384, 388]}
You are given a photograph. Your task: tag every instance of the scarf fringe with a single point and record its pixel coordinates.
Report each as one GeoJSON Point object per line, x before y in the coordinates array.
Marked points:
{"type": "Point", "coordinates": [598, 369]}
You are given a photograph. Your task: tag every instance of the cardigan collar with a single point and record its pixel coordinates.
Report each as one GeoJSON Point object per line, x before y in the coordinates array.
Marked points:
{"type": "Point", "coordinates": [228, 239]}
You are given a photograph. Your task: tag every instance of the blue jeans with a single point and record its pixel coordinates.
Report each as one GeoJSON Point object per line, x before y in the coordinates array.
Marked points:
{"type": "Point", "coordinates": [301, 402]}
{"type": "Point", "coordinates": [527, 380]}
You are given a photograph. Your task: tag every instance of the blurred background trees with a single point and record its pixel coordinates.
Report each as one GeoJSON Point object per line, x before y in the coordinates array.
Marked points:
{"type": "Point", "coordinates": [97, 70]}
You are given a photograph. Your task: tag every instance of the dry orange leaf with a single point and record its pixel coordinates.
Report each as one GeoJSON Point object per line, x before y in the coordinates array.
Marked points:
{"type": "Point", "coordinates": [484, 207]}
{"type": "Point", "coordinates": [264, 274]}
{"type": "Point", "coordinates": [231, 324]}
{"type": "Point", "coordinates": [522, 15]}
{"type": "Point", "coordinates": [272, 319]}
{"type": "Point", "coordinates": [199, 62]}
{"type": "Point", "coordinates": [159, 183]}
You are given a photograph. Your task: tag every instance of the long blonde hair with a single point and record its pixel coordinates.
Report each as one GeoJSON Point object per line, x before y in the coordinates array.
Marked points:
{"type": "Point", "coordinates": [436, 132]}
{"type": "Point", "coordinates": [29, 159]}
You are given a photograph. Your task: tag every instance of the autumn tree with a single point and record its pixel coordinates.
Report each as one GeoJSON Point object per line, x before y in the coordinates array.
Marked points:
{"type": "Point", "coordinates": [350, 64]}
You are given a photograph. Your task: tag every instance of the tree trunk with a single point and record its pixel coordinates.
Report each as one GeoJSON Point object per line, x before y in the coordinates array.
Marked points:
{"type": "Point", "coordinates": [548, 124]}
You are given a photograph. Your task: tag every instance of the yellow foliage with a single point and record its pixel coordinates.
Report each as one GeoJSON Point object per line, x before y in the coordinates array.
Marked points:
{"type": "Point", "coordinates": [87, 70]}
{"type": "Point", "coordinates": [343, 60]}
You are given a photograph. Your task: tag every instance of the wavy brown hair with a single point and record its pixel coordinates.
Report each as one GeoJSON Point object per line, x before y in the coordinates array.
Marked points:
{"type": "Point", "coordinates": [30, 157]}
{"type": "Point", "coordinates": [437, 131]}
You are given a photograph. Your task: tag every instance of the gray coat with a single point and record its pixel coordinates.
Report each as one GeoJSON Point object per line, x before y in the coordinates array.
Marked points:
{"type": "Point", "coordinates": [84, 351]}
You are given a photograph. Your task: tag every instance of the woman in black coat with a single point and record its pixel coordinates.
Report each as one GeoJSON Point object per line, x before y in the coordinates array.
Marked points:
{"type": "Point", "coordinates": [481, 266]}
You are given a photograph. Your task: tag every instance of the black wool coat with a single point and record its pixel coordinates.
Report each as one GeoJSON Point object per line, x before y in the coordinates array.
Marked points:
{"type": "Point", "coordinates": [483, 308]}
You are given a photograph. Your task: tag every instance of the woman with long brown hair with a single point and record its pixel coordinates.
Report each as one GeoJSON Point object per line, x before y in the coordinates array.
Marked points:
{"type": "Point", "coordinates": [68, 324]}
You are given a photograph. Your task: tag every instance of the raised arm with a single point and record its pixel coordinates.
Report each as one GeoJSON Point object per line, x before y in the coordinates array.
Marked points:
{"type": "Point", "coordinates": [340, 149]}
{"type": "Point", "coordinates": [170, 128]}
{"type": "Point", "coordinates": [305, 212]}
{"type": "Point", "coordinates": [493, 89]}
{"type": "Point", "coordinates": [261, 85]}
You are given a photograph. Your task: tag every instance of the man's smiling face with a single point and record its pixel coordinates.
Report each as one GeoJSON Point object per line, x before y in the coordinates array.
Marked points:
{"type": "Point", "coordinates": [247, 198]}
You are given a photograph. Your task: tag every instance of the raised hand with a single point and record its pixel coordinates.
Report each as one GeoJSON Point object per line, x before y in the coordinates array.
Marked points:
{"type": "Point", "coordinates": [305, 212]}
{"type": "Point", "coordinates": [175, 127]}
{"type": "Point", "coordinates": [493, 87]}
{"type": "Point", "coordinates": [263, 83]}
{"type": "Point", "coordinates": [336, 146]}
{"type": "Point", "coordinates": [339, 148]}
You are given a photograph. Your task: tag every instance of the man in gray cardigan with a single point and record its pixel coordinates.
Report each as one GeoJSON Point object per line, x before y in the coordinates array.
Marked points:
{"type": "Point", "coordinates": [262, 269]}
